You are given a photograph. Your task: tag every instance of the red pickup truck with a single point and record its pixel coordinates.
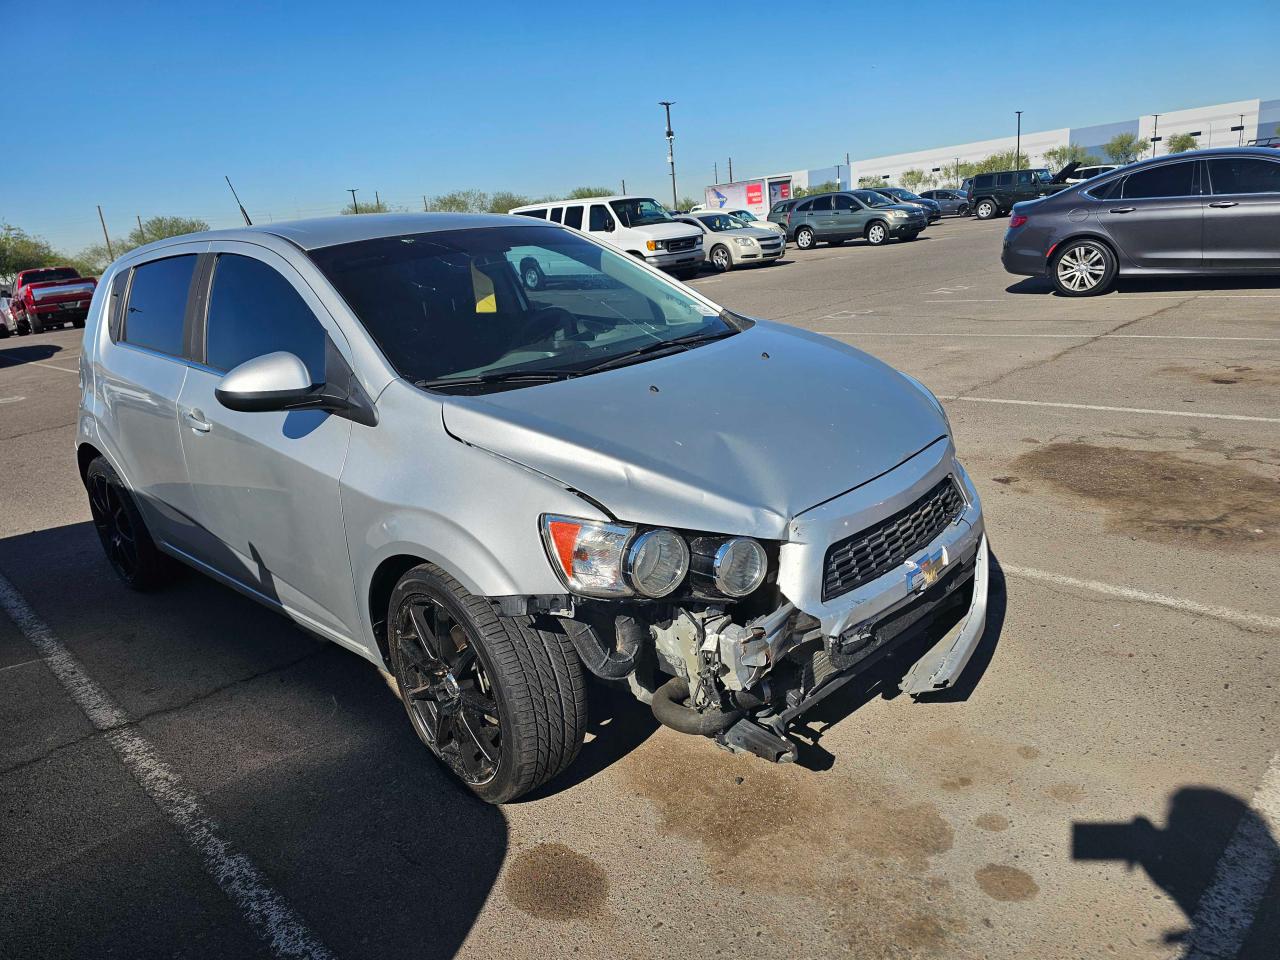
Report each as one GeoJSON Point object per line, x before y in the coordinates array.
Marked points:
{"type": "Point", "coordinates": [50, 297]}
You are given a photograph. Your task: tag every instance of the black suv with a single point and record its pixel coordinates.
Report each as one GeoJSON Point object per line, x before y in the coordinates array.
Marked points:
{"type": "Point", "coordinates": [993, 194]}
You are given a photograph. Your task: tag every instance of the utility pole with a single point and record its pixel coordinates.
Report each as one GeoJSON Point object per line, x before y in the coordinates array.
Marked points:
{"type": "Point", "coordinates": [957, 173]}
{"type": "Point", "coordinates": [1155, 129]}
{"type": "Point", "coordinates": [849, 163]}
{"type": "Point", "coordinates": [671, 153]}
{"type": "Point", "coordinates": [731, 169]}
{"type": "Point", "coordinates": [1240, 139]}
{"type": "Point", "coordinates": [141, 233]}
{"type": "Point", "coordinates": [110, 252]}
{"type": "Point", "coordinates": [425, 208]}
{"type": "Point", "coordinates": [1017, 150]}
{"type": "Point", "coordinates": [377, 201]}
{"type": "Point", "coordinates": [716, 166]}
{"type": "Point", "coordinates": [354, 205]}
{"type": "Point", "coordinates": [624, 185]}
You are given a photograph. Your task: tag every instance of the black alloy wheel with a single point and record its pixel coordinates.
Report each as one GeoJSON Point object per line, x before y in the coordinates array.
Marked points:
{"type": "Point", "coordinates": [130, 550]}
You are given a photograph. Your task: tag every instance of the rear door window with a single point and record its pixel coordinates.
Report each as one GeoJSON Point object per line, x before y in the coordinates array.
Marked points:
{"type": "Point", "coordinates": [557, 213]}
{"type": "Point", "coordinates": [1004, 179]}
{"type": "Point", "coordinates": [158, 304]}
{"type": "Point", "coordinates": [804, 207]}
{"type": "Point", "coordinates": [983, 182]}
{"type": "Point", "coordinates": [1244, 175]}
{"type": "Point", "coordinates": [573, 217]}
{"type": "Point", "coordinates": [536, 214]}
{"type": "Point", "coordinates": [821, 204]}
{"type": "Point", "coordinates": [1167, 180]}
{"type": "Point", "coordinates": [254, 310]}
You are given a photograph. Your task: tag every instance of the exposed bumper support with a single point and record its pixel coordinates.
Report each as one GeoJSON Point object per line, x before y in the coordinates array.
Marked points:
{"type": "Point", "coordinates": [946, 660]}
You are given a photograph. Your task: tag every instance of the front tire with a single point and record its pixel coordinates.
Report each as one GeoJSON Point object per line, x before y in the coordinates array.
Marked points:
{"type": "Point", "coordinates": [1083, 268]}
{"type": "Point", "coordinates": [877, 233]}
{"type": "Point", "coordinates": [805, 240]}
{"type": "Point", "coordinates": [986, 209]}
{"type": "Point", "coordinates": [720, 258]}
{"type": "Point", "coordinates": [501, 703]}
{"type": "Point", "coordinates": [130, 550]}
{"type": "Point", "coordinates": [531, 274]}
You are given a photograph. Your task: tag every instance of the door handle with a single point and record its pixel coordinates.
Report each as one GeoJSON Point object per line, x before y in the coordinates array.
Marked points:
{"type": "Point", "coordinates": [197, 422]}
{"type": "Point", "coordinates": [1123, 209]}
{"type": "Point", "coordinates": [1224, 203]}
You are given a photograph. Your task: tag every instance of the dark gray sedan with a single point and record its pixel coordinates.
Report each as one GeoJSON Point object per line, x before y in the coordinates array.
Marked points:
{"type": "Point", "coordinates": [1202, 212]}
{"type": "Point", "coordinates": [953, 202]}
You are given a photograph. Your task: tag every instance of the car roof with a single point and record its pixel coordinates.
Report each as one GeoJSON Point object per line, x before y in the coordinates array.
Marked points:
{"type": "Point", "coordinates": [609, 199]}
{"type": "Point", "coordinates": [331, 231]}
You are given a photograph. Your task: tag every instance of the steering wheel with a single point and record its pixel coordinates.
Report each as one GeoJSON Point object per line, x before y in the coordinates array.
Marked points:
{"type": "Point", "coordinates": [546, 323]}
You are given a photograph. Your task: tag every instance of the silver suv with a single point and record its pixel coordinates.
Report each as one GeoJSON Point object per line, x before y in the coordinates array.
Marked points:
{"type": "Point", "coordinates": [377, 427]}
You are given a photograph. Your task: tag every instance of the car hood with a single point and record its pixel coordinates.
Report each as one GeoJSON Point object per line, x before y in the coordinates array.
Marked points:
{"type": "Point", "coordinates": [668, 231]}
{"type": "Point", "coordinates": [735, 436]}
{"type": "Point", "coordinates": [755, 233]}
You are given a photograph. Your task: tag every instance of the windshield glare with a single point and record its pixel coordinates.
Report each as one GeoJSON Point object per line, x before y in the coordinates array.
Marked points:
{"type": "Point", "coordinates": [500, 300]}
{"type": "Point", "coordinates": [1044, 176]}
{"type": "Point", "coordinates": [745, 215]}
{"type": "Point", "coordinates": [722, 221]}
{"type": "Point", "coordinates": [639, 213]}
{"type": "Point", "coordinates": [873, 199]}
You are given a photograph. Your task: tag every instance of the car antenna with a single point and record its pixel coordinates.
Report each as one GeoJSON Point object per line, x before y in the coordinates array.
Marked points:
{"type": "Point", "coordinates": [247, 221]}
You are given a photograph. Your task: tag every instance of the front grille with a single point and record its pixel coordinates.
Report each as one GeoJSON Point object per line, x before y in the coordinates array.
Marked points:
{"type": "Point", "coordinates": [878, 549]}
{"type": "Point", "coordinates": [684, 243]}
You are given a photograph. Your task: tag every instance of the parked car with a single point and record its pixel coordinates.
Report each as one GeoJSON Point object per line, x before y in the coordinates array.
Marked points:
{"type": "Point", "coordinates": [640, 226]}
{"type": "Point", "coordinates": [1201, 212]}
{"type": "Point", "coordinates": [952, 202]}
{"type": "Point", "coordinates": [836, 217]}
{"type": "Point", "coordinates": [966, 188]}
{"type": "Point", "coordinates": [932, 209]}
{"type": "Point", "coordinates": [751, 220]}
{"type": "Point", "coordinates": [370, 426]}
{"type": "Point", "coordinates": [6, 317]}
{"type": "Point", "coordinates": [993, 194]}
{"type": "Point", "coordinates": [1265, 142]}
{"type": "Point", "coordinates": [50, 297]}
{"type": "Point", "coordinates": [730, 243]}
{"type": "Point", "coordinates": [1081, 174]}
{"type": "Point", "coordinates": [778, 213]}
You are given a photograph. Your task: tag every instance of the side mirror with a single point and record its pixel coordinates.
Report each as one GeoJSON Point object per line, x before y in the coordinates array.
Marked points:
{"type": "Point", "coordinates": [280, 381]}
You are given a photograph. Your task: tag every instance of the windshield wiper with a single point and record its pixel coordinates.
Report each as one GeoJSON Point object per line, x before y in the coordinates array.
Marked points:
{"type": "Point", "coordinates": [498, 376]}
{"type": "Point", "coordinates": [658, 346]}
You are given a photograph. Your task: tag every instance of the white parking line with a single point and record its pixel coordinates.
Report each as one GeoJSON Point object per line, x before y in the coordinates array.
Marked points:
{"type": "Point", "coordinates": [1042, 336]}
{"type": "Point", "coordinates": [1229, 905]}
{"type": "Point", "coordinates": [1241, 617]}
{"type": "Point", "coordinates": [36, 363]}
{"type": "Point", "coordinates": [1124, 296]}
{"type": "Point", "coordinates": [11, 399]}
{"type": "Point", "coordinates": [266, 911]}
{"type": "Point", "coordinates": [1099, 407]}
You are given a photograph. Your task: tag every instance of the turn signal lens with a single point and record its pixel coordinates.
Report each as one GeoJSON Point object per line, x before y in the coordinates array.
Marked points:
{"type": "Point", "coordinates": [657, 562]}
{"type": "Point", "coordinates": [587, 555]}
{"type": "Point", "coordinates": [1017, 220]}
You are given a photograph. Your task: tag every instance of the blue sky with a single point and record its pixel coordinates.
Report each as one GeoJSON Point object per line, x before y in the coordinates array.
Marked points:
{"type": "Point", "coordinates": [144, 107]}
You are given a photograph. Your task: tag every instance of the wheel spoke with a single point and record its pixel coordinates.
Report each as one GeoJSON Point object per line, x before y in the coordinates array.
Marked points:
{"type": "Point", "coordinates": [423, 632]}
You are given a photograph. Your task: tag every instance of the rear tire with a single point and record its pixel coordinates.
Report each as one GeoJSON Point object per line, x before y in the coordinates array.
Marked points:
{"type": "Point", "coordinates": [1083, 268]}
{"type": "Point", "coordinates": [35, 323]}
{"type": "Point", "coordinates": [805, 239]}
{"type": "Point", "coordinates": [130, 550]}
{"type": "Point", "coordinates": [986, 209]}
{"type": "Point", "coordinates": [502, 704]}
{"type": "Point", "coordinates": [877, 233]}
{"type": "Point", "coordinates": [531, 274]}
{"type": "Point", "coordinates": [78, 324]}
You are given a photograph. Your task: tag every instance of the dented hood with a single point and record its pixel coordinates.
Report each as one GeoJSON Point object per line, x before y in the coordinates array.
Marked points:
{"type": "Point", "coordinates": [735, 436]}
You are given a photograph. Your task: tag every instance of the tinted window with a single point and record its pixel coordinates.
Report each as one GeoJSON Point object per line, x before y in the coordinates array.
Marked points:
{"type": "Point", "coordinates": [253, 310]}
{"type": "Point", "coordinates": [600, 219]}
{"type": "Point", "coordinates": [557, 213]}
{"type": "Point", "coordinates": [158, 303]}
{"type": "Point", "coordinates": [1245, 175]}
{"type": "Point", "coordinates": [536, 214]}
{"type": "Point", "coordinates": [1169, 180]}
{"type": "Point", "coordinates": [842, 202]}
{"type": "Point", "coordinates": [983, 181]}
{"type": "Point", "coordinates": [805, 207]}
{"type": "Point", "coordinates": [1004, 179]}
{"type": "Point", "coordinates": [821, 204]}
{"type": "Point", "coordinates": [1024, 177]}
{"type": "Point", "coordinates": [573, 217]}
{"type": "Point", "coordinates": [1107, 191]}
{"type": "Point", "coordinates": [52, 273]}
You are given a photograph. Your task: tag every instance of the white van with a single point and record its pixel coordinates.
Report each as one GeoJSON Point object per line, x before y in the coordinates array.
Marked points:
{"type": "Point", "coordinates": [639, 226]}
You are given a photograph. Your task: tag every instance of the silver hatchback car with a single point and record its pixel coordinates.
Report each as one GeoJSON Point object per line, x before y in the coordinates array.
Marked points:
{"type": "Point", "coordinates": [372, 426]}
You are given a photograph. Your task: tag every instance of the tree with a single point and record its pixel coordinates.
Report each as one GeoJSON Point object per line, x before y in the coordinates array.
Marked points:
{"type": "Point", "coordinates": [1058, 157]}
{"type": "Point", "coordinates": [1181, 143]}
{"type": "Point", "coordinates": [20, 251]}
{"type": "Point", "coordinates": [911, 179]}
{"type": "Point", "coordinates": [826, 186]}
{"type": "Point", "coordinates": [582, 193]}
{"type": "Point", "coordinates": [460, 201]}
{"type": "Point", "coordinates": [504, 200]}
{"type": "Point", "coordinates": [688, 203]}
{"type": "Point", "coordinates": [159, 228]}
{"type": "Point", "coordinates": [1004, 160]}
{"type": "Point", "coordinates": [92, 260]}
{"type": "Point", "coordinates": [377, 206]}
{"type": "Point", "coordinates": [870, 181]}
{"type": "Point", "coordinates": [1126, 147]}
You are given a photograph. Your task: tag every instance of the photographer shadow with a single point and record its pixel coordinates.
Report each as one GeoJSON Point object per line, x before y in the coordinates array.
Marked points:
{"type": "Point", "coordinates": [1217, 860]}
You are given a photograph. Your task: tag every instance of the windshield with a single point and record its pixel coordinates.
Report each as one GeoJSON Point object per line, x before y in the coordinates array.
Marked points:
{"type": "Point", "coordinates": [722, 221]}
{"type": "Point", "coordinates": [639, 213]}
{"type": "Point", "coordinates": [873, 199]}
{"type": "Point", "coordinates": [745, 215]}
{"type": "Point", "coordinates": [503, 301]}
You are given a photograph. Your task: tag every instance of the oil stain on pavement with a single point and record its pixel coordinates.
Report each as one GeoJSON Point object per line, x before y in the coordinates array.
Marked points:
{"type": "Point", "coordinates": [1164, 497]}
{"type": "Point", "coordinates": [1001, 882]}
{"type": "Point", "coordinates": [1229, 375]}
{"type": "Point", "coordinates": [552, 882]}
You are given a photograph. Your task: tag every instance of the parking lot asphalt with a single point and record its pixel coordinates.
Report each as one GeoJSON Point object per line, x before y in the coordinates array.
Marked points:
{"type": "Point", "coordinates": [1105, 782]}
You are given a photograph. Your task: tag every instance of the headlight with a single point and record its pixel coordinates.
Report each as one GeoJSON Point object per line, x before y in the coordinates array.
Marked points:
{"type": "Point", "coordinates": [739, 566]}
{"type": "Point", "coordinates": [588, 554]}
{"type": "Point", "coordinates": [744, 241]}
{"type": "Point", "coordinates": [655, 245]}
{"type": "Point", "coordinates": [898, 214]}
{"type": "Point", "coordinates": [657, 562]}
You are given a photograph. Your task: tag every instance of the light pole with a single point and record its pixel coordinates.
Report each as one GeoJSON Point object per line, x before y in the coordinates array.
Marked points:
{"type": "Point", "coordinates": [354, 206]}
{"type": "Point", "coordinates": [671, 152]}
{"type": "Point", "coordinates": [1155, 130]}
{"type": "Point", "coordinates": [957, 173]}
{"type": "Point", "coordinates": [1017, 150]}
